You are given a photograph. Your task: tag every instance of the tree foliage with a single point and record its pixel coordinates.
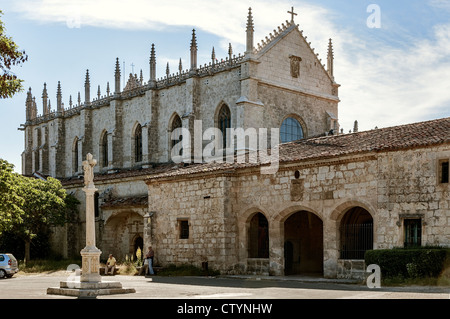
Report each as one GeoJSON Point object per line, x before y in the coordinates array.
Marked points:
{"type": "Point", "coordinates": [29, 205]}
{"type": "Point", "coordinates": [10, 56]}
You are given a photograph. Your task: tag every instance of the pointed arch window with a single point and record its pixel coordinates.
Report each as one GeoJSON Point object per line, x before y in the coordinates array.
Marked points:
{"type": "Point", "coordinates": [138, 143]}
{"type": "Point", "coordinates": [104, 148]}
{"type": "Point", "coordinates": [176, 123]}
{"type": "Point", "coordinates": [224, 122]}
{"type": "Point", "coordinates": [75, 156]}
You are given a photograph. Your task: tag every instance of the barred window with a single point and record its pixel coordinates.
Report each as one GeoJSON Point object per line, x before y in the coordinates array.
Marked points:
{"type": "Point", "coordinates": [413, 232]}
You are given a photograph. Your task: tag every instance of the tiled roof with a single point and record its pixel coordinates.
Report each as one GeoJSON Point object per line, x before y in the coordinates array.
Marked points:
{"type": "Point", "coordinates": [422, 134]}
{"type": "Point", "coordinates": [126, 202]}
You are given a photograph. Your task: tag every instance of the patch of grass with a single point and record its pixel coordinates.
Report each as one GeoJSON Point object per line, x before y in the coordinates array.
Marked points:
{"type": "Point", "coordinates": [41, 265]}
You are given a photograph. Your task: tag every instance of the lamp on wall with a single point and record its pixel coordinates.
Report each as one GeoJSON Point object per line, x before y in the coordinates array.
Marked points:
{"type": "Point", "coordinates": [148, 217]}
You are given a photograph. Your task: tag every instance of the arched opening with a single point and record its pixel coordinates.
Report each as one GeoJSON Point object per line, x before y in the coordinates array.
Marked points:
{"type": "Point", "coordinates": [121, 235]}
{"type": "Point", "coordinates": [138, 144]}
{"type": "Point", "coordinates": [303, 244]}
{"type": "Point", "coordinates": [258, 237]}
{"type": "Point", "coordinates": [224, 123]}
{"type": "Point", "coordinates": [138, 244]}
{"type": "Point", "coordinates": [104, 149]}
{"type": "Point", "coordinates": [291, 130]}
{"type": "Point", "coordinates": [176, 123]}
{"type": "Point", "coordinates": [75, 162]}
{"type": "Point", "coordinates": [356, 233]}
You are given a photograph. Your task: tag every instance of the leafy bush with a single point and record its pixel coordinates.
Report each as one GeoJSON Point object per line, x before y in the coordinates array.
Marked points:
{"type": "Point", "coordinates": [410, 262]}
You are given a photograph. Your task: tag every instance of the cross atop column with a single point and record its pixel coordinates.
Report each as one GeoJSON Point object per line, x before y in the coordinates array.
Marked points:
{"type": "Point", "coordinates": [292, 14]}
{"type": "Point", "coordinates": [88, 167]}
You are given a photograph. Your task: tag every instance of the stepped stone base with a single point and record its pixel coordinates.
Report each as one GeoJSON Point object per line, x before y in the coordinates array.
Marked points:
{"type": "Point", "coordinates": [89, 289]}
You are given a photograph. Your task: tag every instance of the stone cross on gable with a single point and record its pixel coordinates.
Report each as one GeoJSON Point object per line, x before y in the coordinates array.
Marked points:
{"type": "Point", "coordinates": [88, 168]}
{"type": "Point", "coordinates": [292, 14]}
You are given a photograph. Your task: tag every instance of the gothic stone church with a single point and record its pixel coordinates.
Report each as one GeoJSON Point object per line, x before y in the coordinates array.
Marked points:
{"type": "Point", "coordinates": [333, 197]}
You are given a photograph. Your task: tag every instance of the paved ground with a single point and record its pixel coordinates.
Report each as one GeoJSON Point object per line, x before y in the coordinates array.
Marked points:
{"type": "Point", "coordinates": [35, 286]}
{"type": "Point", "coordinates": [221, 297]}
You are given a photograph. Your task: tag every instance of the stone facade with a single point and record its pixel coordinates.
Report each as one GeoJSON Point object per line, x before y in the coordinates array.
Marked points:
{"type": "Point", "coordinates": [258, 87]}
{"type": "Point", "coordinates": [306, 203]}
{"type": "Point", "coordinates": [333, 196]}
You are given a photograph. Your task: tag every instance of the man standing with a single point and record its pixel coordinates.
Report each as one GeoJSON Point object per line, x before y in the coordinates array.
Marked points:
{"type": "Point", "coordinates": [150, 254]}
{"type": "Point", "coordinates": [110, 264]}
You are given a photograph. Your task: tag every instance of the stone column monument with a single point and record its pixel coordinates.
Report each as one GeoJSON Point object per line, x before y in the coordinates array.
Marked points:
{"type": "Point", "coordinates": [90, 254]}
{"type": "Point", "coordinates": [89, 284]}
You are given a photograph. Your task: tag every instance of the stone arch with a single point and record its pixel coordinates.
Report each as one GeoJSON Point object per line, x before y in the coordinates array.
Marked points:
{"type": "Point", "coordinates": [300, 121]}
{"type": "Point", "coordinates": [301, 231]}
{"type": "Point", "coordinates": [120, 231]}
{"type": "Point", "coordinates": [339, 211]}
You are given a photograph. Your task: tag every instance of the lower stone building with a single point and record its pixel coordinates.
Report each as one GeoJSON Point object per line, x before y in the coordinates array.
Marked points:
{"type": "Point", "coordinates": [331, 199]}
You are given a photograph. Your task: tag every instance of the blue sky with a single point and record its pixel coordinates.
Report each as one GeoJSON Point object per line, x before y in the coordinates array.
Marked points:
{"type": "Point", "coordinates": [391, 75]}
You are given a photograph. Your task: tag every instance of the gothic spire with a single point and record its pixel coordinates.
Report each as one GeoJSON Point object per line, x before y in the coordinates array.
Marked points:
{"type": "Point", "coordinates": [213, 56]}
{"type": "Point", "coordinates": [117, 77]}
{"type": "Point", "coordinates": [107, 89]}
{"type": "Point", "coordinates": [87, 89]}
{"type": "Point", "coordinates": [59, 98]}
{"type": "Point", "coordinates": [193, 52]}
{"type": "Point", "coordinates": [250, 30]}
{"type": "Point", "coordinates": [98, 92]}
{"type": "Point", "coordinates": [29, 105]}
{"type": "Point", "coordinates": [180, 67]}
{"type": "Point", "coordinates": [152, 65]}
{"type": "Point", "coordinates": [45, 109]}
{"type": "Point", "coordinates": [330, 59]}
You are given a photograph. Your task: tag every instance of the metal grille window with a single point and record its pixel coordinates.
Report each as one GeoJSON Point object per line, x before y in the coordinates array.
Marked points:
{"type": "Point", "coordinates": [357, 238]}
{"type": "Point", "coordinates": [356, 231]}
{"type": "Point", "coordinates": [413, 232]}
{"type": "Point", "coordinates": [290, 130]}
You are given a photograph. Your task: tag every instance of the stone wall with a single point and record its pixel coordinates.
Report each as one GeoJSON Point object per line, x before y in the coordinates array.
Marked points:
{"type": "Point", "coordinates": [219, 208]}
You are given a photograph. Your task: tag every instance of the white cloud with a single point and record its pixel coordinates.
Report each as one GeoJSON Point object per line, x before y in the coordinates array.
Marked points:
{"type": "Point", "coordinates": [382, 84]}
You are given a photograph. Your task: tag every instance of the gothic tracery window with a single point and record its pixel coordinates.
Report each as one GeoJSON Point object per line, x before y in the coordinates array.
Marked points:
{"type": "Point", "coordinates": [138, 144]}
{"type": "Point", "coordinates": [104, 147]}
{"type": "Point", "coordinates": [176, 123]}
{"type": "Point", "coordinates": [224, 122]}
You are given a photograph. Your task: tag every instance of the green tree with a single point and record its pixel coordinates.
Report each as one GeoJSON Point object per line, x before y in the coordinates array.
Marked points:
{"type": "Point", "coordinates": [10, 56]}
{"type": "Point", "coordinates": [10, 201]}
{"type": "Point", "coordinates": [29, 206]}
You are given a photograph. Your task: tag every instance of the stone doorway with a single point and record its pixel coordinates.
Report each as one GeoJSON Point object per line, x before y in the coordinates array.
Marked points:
{"type": "Point", "coordinates": [303, 244]}
{"type": "Point", "coordinates": [121, 235]}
